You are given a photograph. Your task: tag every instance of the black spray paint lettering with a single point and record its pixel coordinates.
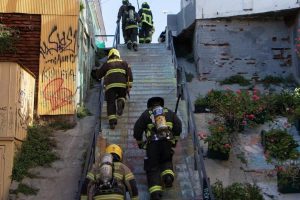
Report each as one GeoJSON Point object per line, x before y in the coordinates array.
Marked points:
{"type": "Point", "coordinates": [62, 42]}
{"type": "Point", "coordinates": [51, 73]}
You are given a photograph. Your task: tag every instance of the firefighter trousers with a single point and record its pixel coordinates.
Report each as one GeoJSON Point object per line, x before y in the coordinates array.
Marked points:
{"type": "Point", "coordinates": [111, 95]}
{"type": "Point", "coordinates": [158, 164]}
{"type": "Point", "coordinates": [144, 34]}
{"type": "Point", "coordinates": [131, 35]}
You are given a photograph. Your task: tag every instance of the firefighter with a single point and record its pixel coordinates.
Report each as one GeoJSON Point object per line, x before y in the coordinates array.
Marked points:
{"type": "Point", "coordinates": [109, 178]}
{"type": "Point", "coordinates": [162, 129]}
{"type": "Point", "coordinates": [117, 82]}
{"type": "Point", "coordinates": [131, 27]}
{"type": "Point", "coordinates": [122, 14]}
{"type": "Point", "coordinates": [146, 24]}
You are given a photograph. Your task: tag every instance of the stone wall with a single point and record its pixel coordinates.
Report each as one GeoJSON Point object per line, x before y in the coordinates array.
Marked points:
{"type": "Point", "coordinates": [248, 46]}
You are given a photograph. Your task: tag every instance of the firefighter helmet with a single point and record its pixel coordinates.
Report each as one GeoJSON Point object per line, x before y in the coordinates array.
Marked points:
{"type": "Point", "coordinates": [155, 101]}
{"type": "Point", "coordinates": [145, 5]}
{"type": "Point", "coordinates": [114, 52]}
{"type": "Point", "coordinates": [116, 149]}
{"type": "Point", "coordinates": [125, 2]}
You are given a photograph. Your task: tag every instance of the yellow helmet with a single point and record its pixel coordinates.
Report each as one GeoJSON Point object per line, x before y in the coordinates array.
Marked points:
{"type": "Point", "coordinates": [114, 52]}
{"type": "Point", "coordinates": [113, 148]}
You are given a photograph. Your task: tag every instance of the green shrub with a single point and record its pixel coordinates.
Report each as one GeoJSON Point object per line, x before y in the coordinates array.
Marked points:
{"type": "Point", "coordinates": [82, 112]}
{"type": "Point", "coordinates": [275, 80]}
{"type": "Point", "coordinates": [25, 189]}
{"type": "Point", "coordinates": [236, 79]}
{"type": "Point", "coordinates": [35, 151]}
{"type": "Point", "coordinates": [62, 125]}
{"type": "Point", "coordinates": [236, 191]}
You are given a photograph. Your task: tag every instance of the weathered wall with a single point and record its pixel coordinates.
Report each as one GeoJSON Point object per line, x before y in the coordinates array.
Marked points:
{"type": "Point", "coordinates": [245, 46]}
{"type": "Point", "coordinates": [28, 42]}
{"type": "Point", "coordinates": [57, 69]}
{"type": "Point", "coordinates": [296, 47]}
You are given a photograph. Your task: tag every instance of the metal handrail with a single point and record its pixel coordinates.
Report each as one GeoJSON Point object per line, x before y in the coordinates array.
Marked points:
{"type": "Point", "coordinates": [192, 128]}
{"type": "Point", "coordinates": [90, 158]}
{"type": "Point", "coordinates": [116, 41]}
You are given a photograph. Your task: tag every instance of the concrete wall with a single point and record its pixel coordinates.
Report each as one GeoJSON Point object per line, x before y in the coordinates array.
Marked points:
{"type": "Point", "coordinates": [225, 8]}
{"type": "Point", "coordinates": [244, 45]}
{"type": "Point", "coordinates": [296, 48]}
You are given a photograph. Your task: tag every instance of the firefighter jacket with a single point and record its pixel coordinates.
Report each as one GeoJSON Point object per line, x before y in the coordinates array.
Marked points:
{"type": "Point", "coordinates": [122, 14]}
{"type": "Point", "coordinates": [146, 16]}
{"type": "Point", "coordinates": [146, 124]}
{"type": "Point", "coordinates": [124, 178]}
{"type": "Point", "coordinates": [131, 21]}
{"type": "Point", "coordinates": [116, 73]}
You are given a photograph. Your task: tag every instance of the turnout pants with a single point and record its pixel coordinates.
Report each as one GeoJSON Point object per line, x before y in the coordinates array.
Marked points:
{"type": "Point", "coordinates": [158, 164]}
{"type": "Point", "coordinates": [111, 95]}
{"type": "Point", "coordinates": [131, 35]}
{"type": "Point", "coordinates": [144, 34]}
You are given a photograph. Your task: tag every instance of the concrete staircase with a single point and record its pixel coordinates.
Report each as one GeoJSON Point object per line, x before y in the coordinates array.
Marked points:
{"type": "Point", "coordinates": [154, 75]}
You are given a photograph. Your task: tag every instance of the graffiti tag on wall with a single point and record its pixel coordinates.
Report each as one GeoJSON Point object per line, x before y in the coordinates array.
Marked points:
{"type": "Point", "coordinates": [57, 74]}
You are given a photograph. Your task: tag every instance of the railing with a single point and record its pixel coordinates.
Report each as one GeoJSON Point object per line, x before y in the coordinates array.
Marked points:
{"type": "Point", "coordinates": [90, 156]}
{"type": "Point", "coordinates": [183, 92]}
{"type": "Point", "coordinates": [116, 40]}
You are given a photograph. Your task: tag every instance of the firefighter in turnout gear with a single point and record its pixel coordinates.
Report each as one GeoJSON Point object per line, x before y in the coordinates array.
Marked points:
{"type": "Point", "coordinates": [162, 129]}
{"type": "Point", "coordinates": [117, 82]}
{"type": "Point", "coordinates": [122, 14]}
{"type": "Point", "coordinates": [146, 24]}
{"type": "Point", "coordinates": [131, 27]}
{"type": "Point", "coordinates": [110, 178]}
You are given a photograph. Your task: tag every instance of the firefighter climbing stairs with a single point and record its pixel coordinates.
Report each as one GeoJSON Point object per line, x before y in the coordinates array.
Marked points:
{"type": "Point", "coordinates": [153, 75]}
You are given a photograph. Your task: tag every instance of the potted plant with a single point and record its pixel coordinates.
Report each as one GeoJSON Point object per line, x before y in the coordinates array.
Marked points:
{"type": "Point", "coordinates": [280, 148]}
{"type": "Point", "coordinates": [288, 178]}
{"type": "Point", "coordinates": [236, 191]}
{"type": "Point", "coordinates": [219, 142]}
{"type": "Point", "coordinates": [201, 105]}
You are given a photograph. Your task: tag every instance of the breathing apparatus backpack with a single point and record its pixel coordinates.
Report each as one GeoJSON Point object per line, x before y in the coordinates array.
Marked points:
{"type": "Point", "coordinates": [105, 180]}
{"type": "Point", "coordinates": [159, 120]}
{"type": "Point", "coordinates": [131, 17]}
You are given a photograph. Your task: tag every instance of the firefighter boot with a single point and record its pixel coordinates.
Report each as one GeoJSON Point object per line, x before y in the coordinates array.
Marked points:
{"type": "Point", "coordinates": [155, 196]}
{"type": "Point", "coordinates": [112, 123]}
{"type": "Point", "coordinates": [120, 106]}
{"type": "Point", "coordinates": [129, 44]}
{"type": "Point", "coordinates": [168, 180]}
{"type": "Point", "coordinates": [135, 47]}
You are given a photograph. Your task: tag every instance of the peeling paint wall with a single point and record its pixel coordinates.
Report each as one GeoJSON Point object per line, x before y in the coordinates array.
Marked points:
{"type": "Point", "coordinates": [242, 46]}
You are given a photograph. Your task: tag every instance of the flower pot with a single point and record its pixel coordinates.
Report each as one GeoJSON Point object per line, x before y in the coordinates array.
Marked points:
{"type": "Point", "coordinates": [200, 109]}
{"type": "Point", "coordinates": [288, 184]}
{"type": "Point", "coordinates": [217, 155]}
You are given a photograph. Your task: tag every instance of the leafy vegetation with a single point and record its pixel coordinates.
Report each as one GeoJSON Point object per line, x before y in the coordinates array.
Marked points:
{"type": "Point", "coordinates": [35, 151]}
{"type": "Point", "coordinates": [25, 189]}
{"type": "Point", "coordinates": [236, 79]}
{"type": "Point", "coordinates": [82, 112]}
{"type": "Point", "coordinates": [189, 76]}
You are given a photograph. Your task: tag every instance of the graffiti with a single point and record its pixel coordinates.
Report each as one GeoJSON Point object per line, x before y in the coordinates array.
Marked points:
{"type": "Point", "coordinates": [61, 59]}
{"type": "Point", "coordinates": [52, 73]}
{"type": "Point", "coordinates": [58, 95]}
{"type": "Point", "coordinates": [59, 42]}
{"type": "Point", "coordinates": [24, 110]}
{"type": "Point", "coordinates": [4, 108]}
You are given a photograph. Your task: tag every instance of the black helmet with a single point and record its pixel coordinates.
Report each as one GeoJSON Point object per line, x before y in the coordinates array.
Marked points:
{"type": "Point", "coordinates": [155, 101]}
{"type": "Point", "coordinates": [125, 2]}
{"type": "Point", "coordinates": [145, 5]}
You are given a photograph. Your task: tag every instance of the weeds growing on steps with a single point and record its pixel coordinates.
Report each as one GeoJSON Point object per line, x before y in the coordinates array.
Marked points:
{"type": "Point", "coordinates": [25, 189]}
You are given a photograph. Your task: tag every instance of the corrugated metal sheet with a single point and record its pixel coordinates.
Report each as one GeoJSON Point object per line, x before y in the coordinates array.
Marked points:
{"type": "Point", "coordinates": [25, 103]}
{"type": "Point", "coordinates": [8, 100]}
{"type": "Point", "coordinates": [6, 163]}
{"type": "Point", "coordinates": [57, 72]}
{"type": "Point", "coordinates": [51, 7]}
{"type": "Point", "coordinates": [17, 100]}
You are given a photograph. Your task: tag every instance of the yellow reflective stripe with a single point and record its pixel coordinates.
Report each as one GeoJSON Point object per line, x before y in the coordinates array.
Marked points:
{"type": "Point", "coordinates": [131, 26]}
{"type": "Point", "coordinates": [115, 71]}
{"type": "Point", "coordinates": [83, 197]}
{"type": "Point", "coordinates": [118, 175]}
{"type": "Point", "coordinates": [155, 188]}
{"type": "Point", "coordinates": [148, 134]}
{"type": "Point", "coordinates": [114, 60]}
{"type": "Point", "coordinates": [109, 197]}
{"type": "Point", "coordinates": [147, 19]}
{"type": "Point", "coordinates": [169, 124]}
{"type": "Point", "coordinates": [150, 126]}
{"type": "Point", "coordinates": [167, 171]}
{"type": "Point", "coordinates": [147, 9]}
{"type": "Point", "coordinates": [129, 83]}
{"type": "Point", "coordinates": [112, 117]}
{"type": "Point", "coordinates": [165, 110]}
{"type": "Point", "coordinates": [112, 85]}
{"type": "Point", "coordinates": [90, 176]}
{"type": "Point", "coordinates": [134, 198]}
{"type": "Point", "coordinates": [129, 176]}
{"type": "Point", "coordinates": [122, 99]}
